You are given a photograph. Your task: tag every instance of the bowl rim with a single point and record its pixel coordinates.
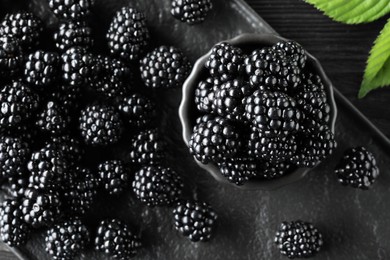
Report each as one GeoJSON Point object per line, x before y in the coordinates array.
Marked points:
{"type": "Point", "coordinates": [191, 83]}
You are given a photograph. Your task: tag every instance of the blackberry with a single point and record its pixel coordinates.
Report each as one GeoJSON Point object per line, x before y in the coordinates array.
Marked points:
{"type": "Point", "coordinates": [274, 113]}
{"type": "Point", "coordinates": [298, 239]}
{"type": "Point", "coordinates": [14, 153]}
{"type": "Point", "coordinates": [215, 139]}
{"type": "Point", "coordinates": [114, 176]}
{"type": "Point", "coordinates": [357, 168]}
{"type": "Point", "coordinates": [100, 125]}
{"type": "Point", "coordinates": [137, 110]}
{"type": "Point", "coordinates": [270, 171]}
{"type": "Point", "coordinates": [147, 148]}
{"type": "Point", "coordinates": [72, 34]}
{"type": "Point", "coordinates": [53, 119]}
{"type": "Point", "coordinates": [164, 67]}
{"type": "Point", "coordinates": [40, 208]}
{"type": "Point", "coordinates": [17, 185]}
{"type": "Point", "coordinates": [191, 11]}
{"type": "Point", "coordinates": [194, 220]}
{"type": "Point", "coordinates": [228, 98]}
{"type": "Point", "coordinates": [226, 62]}
{"type": "Point", "coordinates": [67, 239]}
{"type": "Point", "coordinates": [114, 238]}
{"type": "Point", "coordinates": [13, 230]}
{"type": "Point", "coordinates": [71, 9]}
{"type": "Point", "coordinates": [18, 103]}
{"type": "Point", "coordinates": [24, 27]}
{"type": "Point", "coordinates": [128, 35]}
{"type": "Point", "coordinates": [238, 170]}
{"type": "Point", "coordinates": [157, 186]}
{"type": "Point", "coordinates": [11, 57]}
{"type": "Point", "coordinates": [42, 68]}
{"type": "Point", "coordinates": [294, 51]}
{"type": "Point", "coordinates": [69, 146]}
{"type": "Point", "coordinates": [67, 96]}
{"type": "Point", "coordinates": [205, 94]}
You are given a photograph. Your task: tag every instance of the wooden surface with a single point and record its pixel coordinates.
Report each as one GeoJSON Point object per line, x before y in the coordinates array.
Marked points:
{"type": "Point", "coordinates": [342, 50]}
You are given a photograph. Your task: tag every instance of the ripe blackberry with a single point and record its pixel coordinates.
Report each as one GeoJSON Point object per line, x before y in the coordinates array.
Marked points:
{"type": "Point", "coordinates": [72, 34]}
{"type": "Point", "coordinates": [67, 239]}
{"type": "Point", "coordinates": [295, 52]}
{"type": "Point", "coordinates": [13, 230]}
{"type": "Point", "coordinates": [137, 110]}
{"type": "Point", "coordinates": [11, 57]}
{"type": "Point", "coordinates": [71, 9]}
{"type": "Point", "coordinates": [298, 239]}
{"type": "Point", "coordinates": [194, 220]}
{"type": "Point", "coordinates": [238, 170]}
{"type": "Point", "coordinates": [226, 62]}
{"type": "Point", "coordinates": [114, 176]}
{"type": "Point", "coordinates": [114, 238]}
{"type": "Point", "coordinates": [67, 96]}
{"type": "Point", "coordinates": [24, 27]}
{"type": "Point", "coordinates": [147, 148]}
{"type": "Point", "coordinates": [14, 153]}
{"type": "Point", "coordinates": [214, 139]}
{"type": "Point", "coordinates": [270, 171]}
{"type": "Point", "coordinates": [191, 11]}
{"type": "Point", "coordinates": [157, 186]}
{"type": "Point", "coordinates": [41, 68]}
{"type": "Point", "coordinates": [18, 103]}
{"type": "Point", "coordinates": [128, 35]}
{"type": "Point", "coordinates": [205, 94]}
{"type": "Point", "coordinates": [100, 125]}
{"type": "Point", "coordinates": [53, 119]}
{"type": "Point", "coordinates": [40, 208]}
{"type": "Point", "coordinates": [357, 168]}
{"type": "Point", "coordinates": [165, 67]}
{"type": "Point", "coordinates": [17, 185]}
{"type": "Point", "coordinates": [69, 146]}
{"type": "Point", "coordinates": [274, 113]}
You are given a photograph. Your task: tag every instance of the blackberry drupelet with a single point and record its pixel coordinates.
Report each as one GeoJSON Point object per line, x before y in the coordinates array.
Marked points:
{"type": "Point", "coordinates": [298, 239]}
{"type": "Point", "coordinates": [24, 27]}
{"type": "Point", "coordinates": [13, 230]}
{"type": "Point", "coordinates": [42, 68]}
{"type": "Point", "coordinates": [114, 176]}
{"type": "Point", "coordinates": [270, 171]}
{"type": "Point", "coordinates": [128, 35]}
{"type": "Point", "coordinates": [147, 148]}
{"type": "Point", "coordinates": [40, 208]}
{"type": "Point", "coordinates": [69, 146]}
{"type": "Point", "coordinates": [357, 168]}
{"type": "Point", "coordinates": [165, 67]}
{"type": "Point", "coordinates": [18, 103]}
{"type": "Point", "coordinates": [226, 62]}
{"type": "Point", "coordinates": [194, 220]}
{"type": "Point", "coordinates": [72, 34]}
{"type": "Point", "coordinates": [137, 110]}
{"type": "Point", "coordinates": [67, 96]}
{"type": "Point", "coordinates": [14, 155]}
{"type": "Point", "coordinates": [157, 186]}
{"type": "Point", "coordinates": [238, 170]}
{"type": "Point", "coordinates": [214, 139]}
{"type": "Point", "coordinates": [11, 57]}
{"type": "Point", "coordinates": [205, 94]}
{"type": "Point", "coordinates": [114, 238]}
{"type": "Point", "coordinates": [100, 125]}
{"type": "Point", "coordinates": [191, 11]}
{"type": "Point", "coordinates": [274, 113]}
{"type": "Point", "coordinates": [53, 119]}
{"type": "Point", "coordinates": [295, 52]}
{"type": "Point", "coordinates": [66, 240]}
{"type": "Point", "coordinates": [71, 9]}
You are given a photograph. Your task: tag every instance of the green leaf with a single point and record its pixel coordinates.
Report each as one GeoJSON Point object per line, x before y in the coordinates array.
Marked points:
{"type": "Point", "coordinates": [377, 73]}
{"type": "Point", "coordinates": [353, 11]}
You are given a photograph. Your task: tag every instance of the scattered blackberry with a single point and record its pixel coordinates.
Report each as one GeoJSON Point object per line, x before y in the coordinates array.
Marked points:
{"type": "Point", "coordinates": [128, 35]}
{"type": "Point", "coordinates": [67, 96]}
{"type": "Point", "coordinates": [205, 94]}
{"type": "Point", "coordinates": [295, 52]}
{"type": "Point", "coordinates": [24, 27]}
{"type": "Point", "coordinates": [147, 148]}
{"type": "Point", "coordinates": [298, 239]}
{"type": "Point", "coordinates": [72, 34]}
{"type": "Point", "coordinates": [274, 113]}
{"type": "Point", "coordinates": [100, 125]}
{"type": "Point", "coordinates": [71, 9]}
{"type": "Point", "coordinates": [14, 153]}
{"type": "Point", "coordinates": [238, 170]}
{"type": "Point", "coordinates": [53, 119]}
{"type": "Point", "coordinates": [215, 139]}
{"type": "Point", "coordinates": [357, 168]}
{"type": "Point", "coordinates": [13, 230]}
{"type": "Point", "coordinates": [137, 110]}
{"type": "Point", "coordinates": [18, 103]}
{"type": "Point", "coordinates": [191, 11]}
{"type": "Point", "coordinates": [67, 239]}
{"type": "Point", "coordinates": [226, 62]}
{"type": "Point", "coordinates": [11, 57]}
{"type": "Point", "coordinates": [40, 208]}
{"type": "Point", "coordinates": [69, 146]}
{"type": "Point", "coordinates": [115, 238]}
{"type": "Point", "coordinates": [42, 68]}
{"type": "Point", "coordinates": [114, 175]}
{"type": "Point", "coordinates": [194, 220]}
{"type": "Point", "coordinates": [270, 171]}
{"type": "Point", "coordinates": [157, 186]}
{"type": "Point", "coordinates": [165, 67]}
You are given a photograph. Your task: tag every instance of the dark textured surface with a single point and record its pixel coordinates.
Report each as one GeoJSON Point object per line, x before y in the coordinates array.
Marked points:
{"type": "Point", "coordinates": [355, 223]}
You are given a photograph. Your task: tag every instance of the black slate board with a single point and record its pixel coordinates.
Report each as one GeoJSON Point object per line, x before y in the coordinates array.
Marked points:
{"type": "Point", "coordinates": [355, 223]}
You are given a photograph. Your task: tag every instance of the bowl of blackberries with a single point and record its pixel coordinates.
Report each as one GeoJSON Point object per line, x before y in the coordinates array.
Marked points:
{"type": "Point", "coordinates": [258, 111]}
